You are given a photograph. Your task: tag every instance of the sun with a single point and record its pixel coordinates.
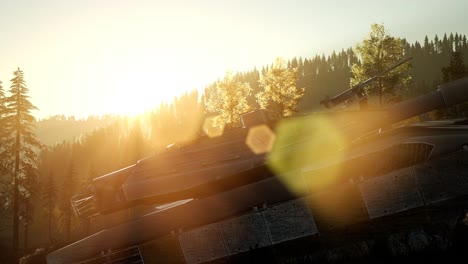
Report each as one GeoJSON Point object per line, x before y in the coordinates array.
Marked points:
{"type": "Point", "coordinates": [132, 84]}
{"type": "Point", "coordinates": [134, 93]}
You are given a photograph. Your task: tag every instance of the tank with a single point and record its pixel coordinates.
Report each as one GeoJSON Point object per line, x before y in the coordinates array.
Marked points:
{"type": "Point", "coordinates": [330, 187]}
{"type": "Point", "coordinates": [195, 170]}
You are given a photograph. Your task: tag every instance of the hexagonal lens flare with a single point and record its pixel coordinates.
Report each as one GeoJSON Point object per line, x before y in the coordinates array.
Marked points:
{"type": "Point", "coordinates": [260, 139]}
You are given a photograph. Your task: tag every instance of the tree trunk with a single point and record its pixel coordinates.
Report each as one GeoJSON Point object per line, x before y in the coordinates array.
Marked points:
{"type": "Point", "coordinates": [16, 197]}
{"type": "Point", "coordinates": [50, 225]}
{"type": "Point", "coordinates": [68, 225]}
{"type": "Point", "coordinates": [26, 236]}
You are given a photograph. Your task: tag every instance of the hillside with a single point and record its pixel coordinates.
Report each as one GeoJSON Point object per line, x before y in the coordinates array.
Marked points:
{"type": "Point", "coordinates": [57, 129]}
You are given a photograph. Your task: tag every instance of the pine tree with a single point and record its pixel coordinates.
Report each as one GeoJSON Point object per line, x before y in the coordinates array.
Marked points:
{"type": "Point", "coordinates": [280, 93]}
{"type": "Point", "coordinates": [379, 52]}
{"type": "Point", "coordinates": [228, 99]}
{"type": "Point", "coordinates": [21, 146]}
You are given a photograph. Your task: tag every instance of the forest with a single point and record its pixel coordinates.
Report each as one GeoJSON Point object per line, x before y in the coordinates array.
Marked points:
{"type": "Point", "coordinates": [63, 154]}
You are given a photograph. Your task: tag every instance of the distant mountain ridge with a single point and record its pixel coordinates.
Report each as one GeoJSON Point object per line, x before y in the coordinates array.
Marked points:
{"type": "Point", "coordinates": [56, 129]}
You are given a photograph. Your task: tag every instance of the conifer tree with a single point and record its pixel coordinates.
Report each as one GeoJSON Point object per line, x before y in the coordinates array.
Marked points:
{"type": "Point", "coordinates": [21, 146]}
{"type": "Point", "coordinates": [280, 93]}
{"type": "Point", "coordinates": [228, 100]}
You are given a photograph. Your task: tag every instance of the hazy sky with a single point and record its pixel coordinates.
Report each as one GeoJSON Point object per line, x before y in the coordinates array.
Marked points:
{"type": "Point", "coordinates": [94, 57]}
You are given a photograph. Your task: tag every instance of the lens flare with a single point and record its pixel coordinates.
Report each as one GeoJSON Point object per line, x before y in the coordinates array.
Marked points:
{"type": "Point", "coordinates": [303, 146]}
{"type": "Point", "coordinates": [260, 139]}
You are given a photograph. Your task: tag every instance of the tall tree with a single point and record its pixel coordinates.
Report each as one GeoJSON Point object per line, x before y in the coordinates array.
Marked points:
{"type": "Point", "coordinates": [228, 99]}
{"type": "Point", "coordinates": [378, 52]}
{"type": "Point", "coordinates": [280, 93]}
{"type": "Point", "coordinates": [22, 146]}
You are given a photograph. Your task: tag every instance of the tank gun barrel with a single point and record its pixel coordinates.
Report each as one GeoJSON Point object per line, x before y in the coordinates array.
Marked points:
{"type": "Point", "coordinates": [358, 89]}
{"type": "Point", "coordinates": [447, 95]}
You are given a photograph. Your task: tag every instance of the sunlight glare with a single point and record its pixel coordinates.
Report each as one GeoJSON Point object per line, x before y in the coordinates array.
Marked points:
{"type": "Point", "coordinates": [210, 129]}
{"type": "Point", "coordinates": [131, 90]}
{"type": "Point", "coordinates": [304, 143]}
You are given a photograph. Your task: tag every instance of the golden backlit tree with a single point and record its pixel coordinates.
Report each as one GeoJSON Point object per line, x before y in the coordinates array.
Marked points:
{"type": "Point", "coordinates": [378, 52]}
{"type": "Point", "coordinates": [228, 100]}
{"type": "Point", "coordinates": [280, 93]}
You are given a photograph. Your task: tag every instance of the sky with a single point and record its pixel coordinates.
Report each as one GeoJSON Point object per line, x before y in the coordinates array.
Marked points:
{"type": "Point", "coordinates": [95, 57]}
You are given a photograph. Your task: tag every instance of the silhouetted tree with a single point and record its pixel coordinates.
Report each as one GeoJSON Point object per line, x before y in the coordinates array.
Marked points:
{"type": "Point", "coordinates": [21, 146]}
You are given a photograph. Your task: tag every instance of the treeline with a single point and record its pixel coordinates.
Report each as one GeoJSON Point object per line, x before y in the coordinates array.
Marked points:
{"type": "Point", "coordinates": [64, 166]}
{"type": "Point", "coordinates": [328, 75]}
{"type": "Point", "coordinates": [58, 128]}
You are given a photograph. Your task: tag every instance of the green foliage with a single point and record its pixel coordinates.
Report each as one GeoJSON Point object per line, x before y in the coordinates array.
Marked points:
{"type": "Point", "coordinates": [228, 100]}
{"type": "Point", "coordinates": [378, 52]}
{"type": "Point", "coordinates": [280, 93]}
